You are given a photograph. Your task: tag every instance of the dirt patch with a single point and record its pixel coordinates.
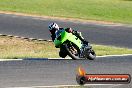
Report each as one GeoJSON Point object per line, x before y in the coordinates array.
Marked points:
{"type": "Point", "coordinates": [61, 18]}
{"type": "Point", "coordinates": [11, 47]}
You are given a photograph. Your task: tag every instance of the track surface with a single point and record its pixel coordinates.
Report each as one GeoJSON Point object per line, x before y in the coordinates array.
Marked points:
{"type": "Point", "coordinates": [35, 27]}
{"type": "Point", "coordinates": [29, 73]}
{"type": "Point", "coordinates": [62, 72]}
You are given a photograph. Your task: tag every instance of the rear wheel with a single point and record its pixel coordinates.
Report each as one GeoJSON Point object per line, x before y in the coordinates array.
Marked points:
{"type": "Point", "coordinates": [92, 55]}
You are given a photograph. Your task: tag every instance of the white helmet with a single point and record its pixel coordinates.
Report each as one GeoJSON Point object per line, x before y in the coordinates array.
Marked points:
{"type": "Point", "coordinates": [53, 27]}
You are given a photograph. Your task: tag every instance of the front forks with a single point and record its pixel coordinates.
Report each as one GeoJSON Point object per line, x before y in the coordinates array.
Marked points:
{"type": "Point", "coordinates": [85, 51]}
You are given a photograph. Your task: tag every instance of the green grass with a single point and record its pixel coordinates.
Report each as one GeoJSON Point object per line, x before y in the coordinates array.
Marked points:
{"type": "Point", "coordinates": [107, 10]}
{"type": "Point", "coordinates": [110, 50]}
{"type": "Point", "coordinates": [13, 48]}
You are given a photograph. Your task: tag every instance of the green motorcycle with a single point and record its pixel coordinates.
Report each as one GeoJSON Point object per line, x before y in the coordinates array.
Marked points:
{"type": "Point", "coordinates": [71, 45]}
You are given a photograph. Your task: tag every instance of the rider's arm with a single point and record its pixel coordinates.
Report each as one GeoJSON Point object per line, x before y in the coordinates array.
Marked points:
{"type": "Point", "coordinates": [69, 30]}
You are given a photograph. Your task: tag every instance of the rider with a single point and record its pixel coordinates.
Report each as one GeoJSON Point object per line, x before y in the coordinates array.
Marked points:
{"type": "Point", "coordinates": [53, 28]}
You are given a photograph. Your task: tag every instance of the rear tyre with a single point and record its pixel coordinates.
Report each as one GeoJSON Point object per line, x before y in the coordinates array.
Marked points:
{"type": "Point", "coordinates": [92, 55]}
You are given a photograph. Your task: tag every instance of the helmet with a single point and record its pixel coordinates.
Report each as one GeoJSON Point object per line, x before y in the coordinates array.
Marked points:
{"type": "Point", "coordinates": [53, 27]}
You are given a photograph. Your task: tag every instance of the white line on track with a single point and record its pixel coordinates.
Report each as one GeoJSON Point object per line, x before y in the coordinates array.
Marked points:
{"type": "Point", "coordinates": [115, 55]}
{"type": "Point", "coordinates": [98, 56]}
{"type": "Point", "coordinates": [68, 58]}
{"type": "Point", "coordinates": [10, 59]}
{"type": "Point", "coordinates": [58, 86]}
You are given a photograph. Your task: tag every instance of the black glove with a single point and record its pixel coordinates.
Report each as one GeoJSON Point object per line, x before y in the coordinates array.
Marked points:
{"type": "Point", "coordinates": [85, 42]}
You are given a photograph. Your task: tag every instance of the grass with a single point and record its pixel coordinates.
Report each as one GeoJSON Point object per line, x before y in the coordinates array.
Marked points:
{"type": "Point", "coordinates": [104, 10]}
{"type": "Point", "coordinates": [11, 47]}
{"type": "Point", "coordinates": [18, 48]}
{"type": "Point", "coordinates": [110, 50]}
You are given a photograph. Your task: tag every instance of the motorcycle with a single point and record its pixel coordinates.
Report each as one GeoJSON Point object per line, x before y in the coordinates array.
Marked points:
{"type": "Point", "coordinates": [71, 45]}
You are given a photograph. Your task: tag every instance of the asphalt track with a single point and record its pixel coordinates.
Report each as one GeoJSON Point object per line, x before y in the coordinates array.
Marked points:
{"type": "Point", "coordinates": [40, 73]}
{"type": "Point", "coordinates": [37, 27]}
{"type": "Point", "coordinates": [34, 73]}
